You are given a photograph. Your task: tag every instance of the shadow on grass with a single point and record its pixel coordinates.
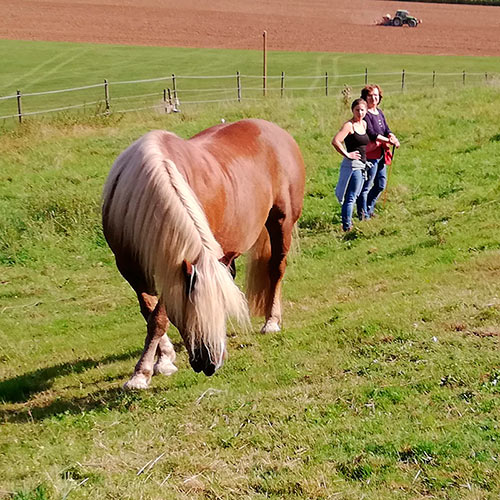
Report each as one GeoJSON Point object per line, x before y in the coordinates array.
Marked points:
{"type": "Point", "coordinates": [19, 389]}
{"type": "Point", "coordinates": [60, 408]}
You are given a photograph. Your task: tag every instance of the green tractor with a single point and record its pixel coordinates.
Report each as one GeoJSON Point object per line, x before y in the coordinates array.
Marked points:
{"type": "Point", "coordinates": [403, 17]}
{"type": "Point", "coordinates": [400, 18]}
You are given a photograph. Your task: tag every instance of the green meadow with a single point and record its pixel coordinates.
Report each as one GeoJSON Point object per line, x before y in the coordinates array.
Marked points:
{"type": "Point", "coordinates": [385, 380]}
{"type": "Point", "coordinates": [41, 67]}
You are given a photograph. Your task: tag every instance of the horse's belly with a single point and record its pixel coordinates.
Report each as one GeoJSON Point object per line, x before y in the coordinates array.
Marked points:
{"type": "Point", "coordinates": [238, 225]}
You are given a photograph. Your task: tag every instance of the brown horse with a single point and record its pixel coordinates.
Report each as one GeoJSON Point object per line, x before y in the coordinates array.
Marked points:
{"type": "Point", "coordinates": [177, 213]}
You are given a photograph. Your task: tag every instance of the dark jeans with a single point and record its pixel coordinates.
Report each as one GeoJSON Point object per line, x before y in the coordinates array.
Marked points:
{"type": "Point", "coordinates": [379, 185]}
{"type": "Point", "coordinates": [362, 201]}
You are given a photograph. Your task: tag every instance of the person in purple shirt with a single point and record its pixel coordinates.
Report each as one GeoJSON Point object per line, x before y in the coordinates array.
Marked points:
{"type": "Point", "coordinates": [381, 138]}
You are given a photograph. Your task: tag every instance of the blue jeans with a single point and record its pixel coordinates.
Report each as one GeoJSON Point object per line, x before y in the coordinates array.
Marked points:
{"type": "Point", "coordinates": [379, 184]}
{"type": "Point", "coordinates": [362, 201]}
{"type": "Point", "coordinates": [352, 180]}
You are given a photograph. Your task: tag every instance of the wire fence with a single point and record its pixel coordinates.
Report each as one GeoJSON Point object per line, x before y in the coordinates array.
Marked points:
{"type": "Point", "coordinates": [170, 93]}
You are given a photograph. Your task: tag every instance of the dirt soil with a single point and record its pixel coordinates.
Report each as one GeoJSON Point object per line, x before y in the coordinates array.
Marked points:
{"type": "Point", "coordinates": [292, 25]}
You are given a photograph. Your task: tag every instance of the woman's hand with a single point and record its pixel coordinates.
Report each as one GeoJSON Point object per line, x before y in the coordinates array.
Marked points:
{"type": "Point", "coordinates": [354, 155]}
{"type": "Point", "coordinates": [394, 140]}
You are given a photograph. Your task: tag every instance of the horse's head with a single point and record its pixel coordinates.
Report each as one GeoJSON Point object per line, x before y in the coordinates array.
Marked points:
{"type": "Point", "coordinates": [201, 360]}
{"type": "Point", "coordinates": [203, 335]}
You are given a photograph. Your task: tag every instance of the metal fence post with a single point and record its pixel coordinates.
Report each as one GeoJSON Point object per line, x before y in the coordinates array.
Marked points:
{"type": "Point", "coordinates": [366, 76]}
{"type": "Point", "coordinates": [19, 107]}
{"type": "Point", "coordinates": [282, 86]}
{"type": "Point", "coordinates": [403, 80]}
{"type": "Point", "coordinates": [463, 78]}
{"type": "Point", "coordinates": [326, 83]}
{"type": "Point", "coordinates": [433, 79]}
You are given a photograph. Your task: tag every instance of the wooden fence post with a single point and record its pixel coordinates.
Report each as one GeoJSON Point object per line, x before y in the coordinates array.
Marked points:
{"type": "Point", "coordinates": [326, 83]}
{"type": "Point", "coordinates": [403, 80]}
{"type": "Point", "coordinates": [366, 76]}
{"type": "Point", "coordinates": [238, 85]}
{"type": "Point", "coordinates": [174, 87]}
{"type": "Point", "coordinates": [433, 78]}
{"type": "Point", "coordinates": [19, 107]}
{"type": "Point", "coordinates": [463, 77]}
{"type": "Point", "coordinates": [282, 86]}
{"type": "Point", "coordinates": [170, 98]}
{"type": "Point", "coordinates": [486, 77]}
{"type": "Point", "coordinates": [106, 96]}
{"type": "Point", "coordinates": [264, 65]}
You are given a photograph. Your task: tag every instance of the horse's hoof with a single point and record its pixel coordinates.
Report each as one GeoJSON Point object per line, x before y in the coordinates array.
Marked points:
{"type": "Point", "coordinates": [136, 383]}
{"type": "Point", "coordinates": [270, 327]}
{"type": "Point", "coordinates": [164, 368]}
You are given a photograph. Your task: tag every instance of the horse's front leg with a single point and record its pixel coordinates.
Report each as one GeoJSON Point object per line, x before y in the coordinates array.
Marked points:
{"type": "Point", "coordinates": [166, 357]}
{"type": "Point", "coordinates": [157, 325]}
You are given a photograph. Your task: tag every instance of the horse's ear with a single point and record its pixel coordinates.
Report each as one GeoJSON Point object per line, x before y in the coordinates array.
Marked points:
{"type": "Point", "coordinates": [187, 267]}
{"type": "Point", "coordinates": [189, 271]}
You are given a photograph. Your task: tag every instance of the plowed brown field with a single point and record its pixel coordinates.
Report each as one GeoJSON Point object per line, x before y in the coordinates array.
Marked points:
{"type": "Point", "coordinates": [294, 25]}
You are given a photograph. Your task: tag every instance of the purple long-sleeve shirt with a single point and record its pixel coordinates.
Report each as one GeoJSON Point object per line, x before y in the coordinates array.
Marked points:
{"type": "Point", "coordinates": [376, 125]}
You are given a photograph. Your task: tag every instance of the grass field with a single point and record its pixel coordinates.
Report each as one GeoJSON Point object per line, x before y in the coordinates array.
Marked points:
{"type": "Point", "coordinates": [383, 384]}
{"type": "Point", "coordinates": [37, 66]}
{"type": "Point", "coordinates": [33, 67]}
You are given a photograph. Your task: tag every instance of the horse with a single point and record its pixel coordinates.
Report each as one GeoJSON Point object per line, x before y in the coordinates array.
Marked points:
{"type": "Point", "coordinates": [177, 212]}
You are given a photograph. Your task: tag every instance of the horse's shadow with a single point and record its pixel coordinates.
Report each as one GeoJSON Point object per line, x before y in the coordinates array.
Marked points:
{"type": "Point", "coordinates": [23, 388]}
{"type": "Point", "coordinates": [115, 398]}
{"type": "Point", "coordinates": [20, 389]}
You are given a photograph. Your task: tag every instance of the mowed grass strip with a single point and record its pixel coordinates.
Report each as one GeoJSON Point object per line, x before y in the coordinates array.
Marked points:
{"type": "Point", "coordinates": [37, 67]}
{"type": "Point", "coordinates": [384, 382]}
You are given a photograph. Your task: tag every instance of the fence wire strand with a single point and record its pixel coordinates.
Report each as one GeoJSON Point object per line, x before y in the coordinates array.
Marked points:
{"type": "Point", "coordinates": [319, 86]}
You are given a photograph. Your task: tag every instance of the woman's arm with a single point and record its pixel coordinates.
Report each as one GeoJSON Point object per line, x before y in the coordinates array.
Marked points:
{"type": "Point", "coordinates": [389, 137]}
{"type": "Point", "coordinates": [337, 142]}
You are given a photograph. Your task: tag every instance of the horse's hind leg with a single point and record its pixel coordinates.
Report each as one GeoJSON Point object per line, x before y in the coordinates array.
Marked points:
{"type": "Point", "coordinates": [280, 229]}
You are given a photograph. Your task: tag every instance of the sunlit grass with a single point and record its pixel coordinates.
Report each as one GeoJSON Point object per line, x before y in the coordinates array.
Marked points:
{"type": "Point", "coordinates": [383, 384]}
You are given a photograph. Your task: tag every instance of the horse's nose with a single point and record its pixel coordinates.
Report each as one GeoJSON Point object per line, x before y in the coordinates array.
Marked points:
{"type": "Point", "coordinates": [200, 361]}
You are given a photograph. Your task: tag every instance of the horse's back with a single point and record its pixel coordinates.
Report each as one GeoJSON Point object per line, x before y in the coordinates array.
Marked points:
{"type": "Point", "coordinates": [259, 149]}
{"type": "Point", "coordinates": [257, 165]}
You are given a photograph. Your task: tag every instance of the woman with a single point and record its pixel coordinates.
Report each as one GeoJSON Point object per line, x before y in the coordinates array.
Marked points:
{"type": "Point", "coordinates": [350, 141]}
{"type": "Point", "coordinates": [381, 138]}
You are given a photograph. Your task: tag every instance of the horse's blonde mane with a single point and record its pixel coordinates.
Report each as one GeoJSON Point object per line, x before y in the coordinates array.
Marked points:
{"type": "Point", "coordinates": [151, 210]}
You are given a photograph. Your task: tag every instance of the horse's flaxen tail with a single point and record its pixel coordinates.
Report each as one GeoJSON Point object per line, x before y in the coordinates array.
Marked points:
{"type": "Point", "coordinates": [258, 287]}
{"type": "Point", "coordinates": [150, 210]}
